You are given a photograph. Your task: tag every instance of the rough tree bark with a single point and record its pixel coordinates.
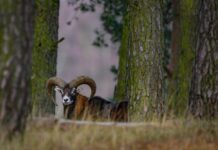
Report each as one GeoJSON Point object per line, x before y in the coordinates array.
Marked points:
{"type": "Point", "coordinates": [16, 42]}
{"type": "Point", "coordinates": [140, 77]}
{"type": "Point", "coordinates": [44, 54]}
{"type": "Point", "coordinates": [203, 97]}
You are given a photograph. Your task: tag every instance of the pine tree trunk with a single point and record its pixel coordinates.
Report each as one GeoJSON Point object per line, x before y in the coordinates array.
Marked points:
{"type": "Point", "coordinates": [44, 54]}
{"type": "Point", "coordinates": [16, 43]}
{"type": "Point", "coordinates": [140, 78]}
{"type": "Point", "coordinates": [181, 56]}
{"type": "Point", "coordinates": [203, 98]}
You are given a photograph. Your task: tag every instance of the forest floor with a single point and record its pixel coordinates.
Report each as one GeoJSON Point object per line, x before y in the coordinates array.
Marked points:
{"type": "Point", "coordinates": [174, 135]}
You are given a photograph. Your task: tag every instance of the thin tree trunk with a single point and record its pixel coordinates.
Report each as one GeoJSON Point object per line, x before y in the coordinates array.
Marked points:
{"type": "Point", "coordinates": [15, 46]}
{"type": "Point", "coordinates": [182, 55]}
{"type": "Point", "coordinates": [203, 98]}
{"type": "Point", "coordinates": [175, 43]}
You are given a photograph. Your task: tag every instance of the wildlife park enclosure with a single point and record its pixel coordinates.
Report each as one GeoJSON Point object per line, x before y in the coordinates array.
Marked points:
{"type": "Point", "coordinates": [167, 72]}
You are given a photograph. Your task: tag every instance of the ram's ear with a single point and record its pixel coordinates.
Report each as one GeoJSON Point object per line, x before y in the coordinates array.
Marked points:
{"type": "Point", "coordinates": [57, 89]}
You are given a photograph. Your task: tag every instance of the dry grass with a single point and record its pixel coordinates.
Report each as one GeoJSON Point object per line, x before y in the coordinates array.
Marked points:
{"type": "Point", "coordinates": [168, 135]}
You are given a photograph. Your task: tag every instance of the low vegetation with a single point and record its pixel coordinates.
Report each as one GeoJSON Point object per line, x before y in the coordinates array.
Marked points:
{"type": "Point", "coordinates": [153, 135]}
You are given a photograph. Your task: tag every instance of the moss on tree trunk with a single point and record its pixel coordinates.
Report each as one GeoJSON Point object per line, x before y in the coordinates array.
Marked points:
{"type": "Point", "coordinates": [140, 78]}
{"type": "Point", "coordinates": [44, 53]}
{"type": "Point", "coordinates": [182, 56]}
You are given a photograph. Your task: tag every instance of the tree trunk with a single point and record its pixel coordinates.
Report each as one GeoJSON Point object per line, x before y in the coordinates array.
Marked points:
{"type": "Point", "coordinates": [203, 98]}
{"type": "Point", "coordinates": [16, 43]}
{"type": "Point", "coordinates": [181, 56]}
{"type": "Point", "coordinates": [140, 78]}
{"type": "Point", "coordinates": [175, 41]}
{"type": "Point", "coordinates": [44, 54]}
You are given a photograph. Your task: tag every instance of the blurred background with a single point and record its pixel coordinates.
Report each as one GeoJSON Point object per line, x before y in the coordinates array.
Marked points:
{"type": "Point", "coordinates": [78, 56]}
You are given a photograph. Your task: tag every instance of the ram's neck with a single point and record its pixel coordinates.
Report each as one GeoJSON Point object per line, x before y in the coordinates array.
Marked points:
{"type": "Point", "coordinates": [81, 105]}
{"type": "Point", "coordinates": [69, 111]}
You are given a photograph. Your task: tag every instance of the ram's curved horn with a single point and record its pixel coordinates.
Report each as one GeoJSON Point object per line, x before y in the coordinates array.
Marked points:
{"type": "Point", "coordinates": [54, 81]}
{"type": "Point", "coordinates": [84, 80]}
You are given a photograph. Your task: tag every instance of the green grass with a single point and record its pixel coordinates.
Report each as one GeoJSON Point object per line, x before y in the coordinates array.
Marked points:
{"type": "Point", "coordinates": [168, 135]}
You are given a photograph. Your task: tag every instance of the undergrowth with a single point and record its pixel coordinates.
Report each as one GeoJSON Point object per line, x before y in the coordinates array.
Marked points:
{"type": "Point", "coordinates": [167, 135]}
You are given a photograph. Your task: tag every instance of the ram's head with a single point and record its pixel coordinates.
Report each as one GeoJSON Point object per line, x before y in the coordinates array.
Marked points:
{"type": "Point", "coordinates": [69, 91]}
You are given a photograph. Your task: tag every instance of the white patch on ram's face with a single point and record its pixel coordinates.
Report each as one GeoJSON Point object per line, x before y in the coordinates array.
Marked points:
{"type": "Point", "coordinates": [73, 91]}
{"type": "Point", "coordinates": [67, 100]}
{"type": "Point", "coordinates": [57, 89]}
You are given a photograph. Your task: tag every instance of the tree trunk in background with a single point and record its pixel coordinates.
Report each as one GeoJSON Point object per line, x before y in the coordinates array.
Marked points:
{"type": "Point", "coordinates": [44, 54]}
{"type": "Point", "coordinates": [16, 43]}
{"type": "Point", "coordinates": [181, 56]}
{"type": "Point", "coordinates": [203, 98]}
{"type": "Point", "coordinates": [140, 78]}
{"type": "Point", "coordinates": [175, 41]}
